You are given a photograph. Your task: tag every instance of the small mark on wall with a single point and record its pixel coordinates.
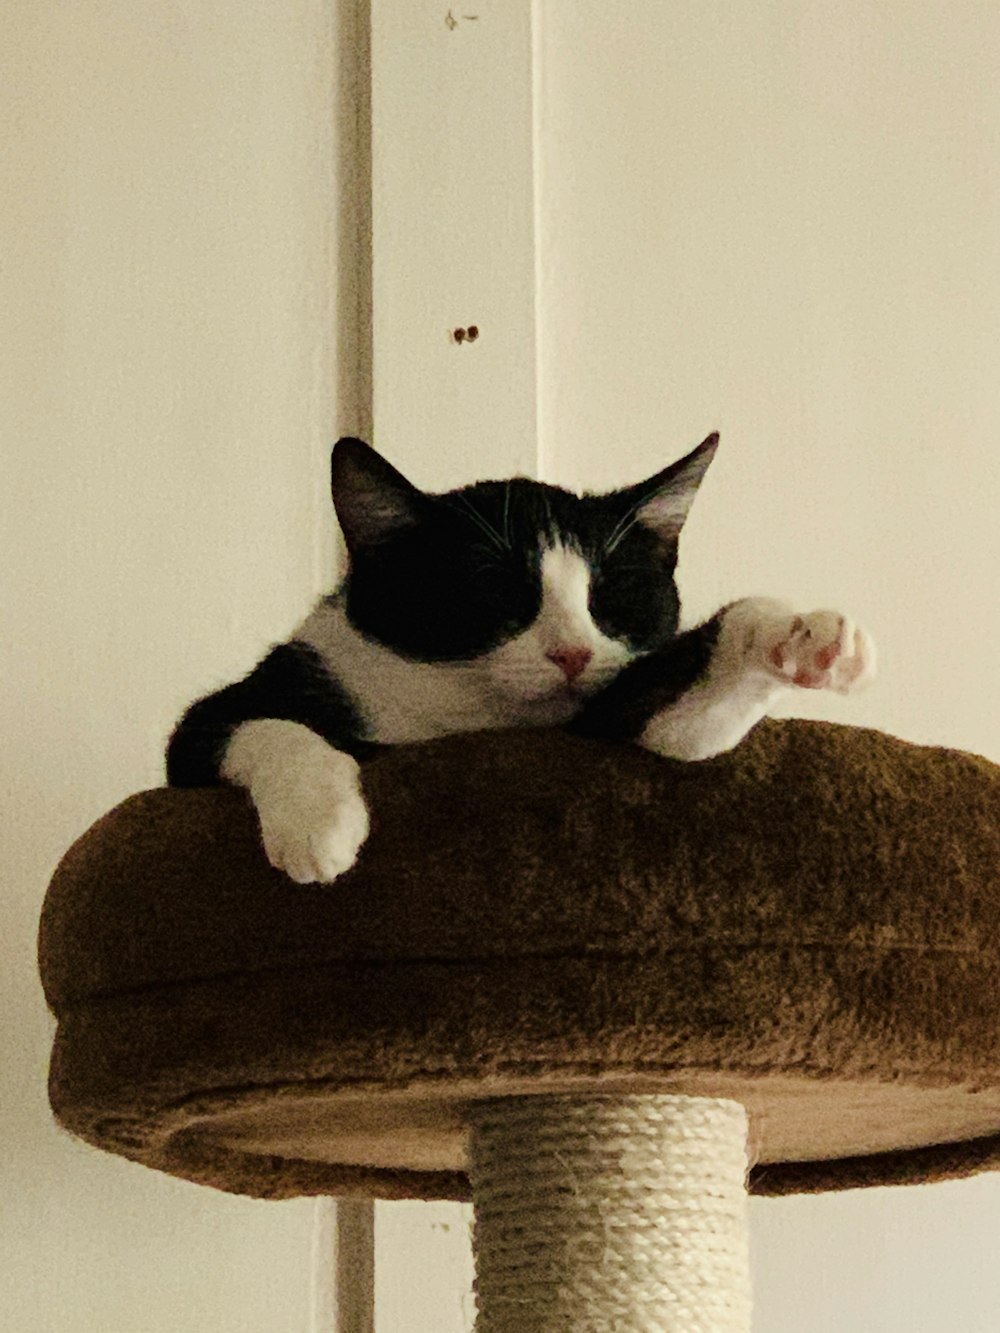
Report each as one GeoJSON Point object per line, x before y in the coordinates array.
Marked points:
{"type": "Point", "coordinates": [465, 335]}
{"type": "Point", "coordinates": [451, 22]}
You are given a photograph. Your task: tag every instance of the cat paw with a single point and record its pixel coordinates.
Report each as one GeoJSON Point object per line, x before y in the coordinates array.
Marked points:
{"type": "Point", "coordinates": [313, 817]}
{"type": "Point", "coordinates": [822, 650]}
{"type": "Point", "coordinates": [314, 836]}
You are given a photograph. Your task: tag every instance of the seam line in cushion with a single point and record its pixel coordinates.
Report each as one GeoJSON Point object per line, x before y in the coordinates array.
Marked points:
{"type": "Point", "coordinates": [716, 946]}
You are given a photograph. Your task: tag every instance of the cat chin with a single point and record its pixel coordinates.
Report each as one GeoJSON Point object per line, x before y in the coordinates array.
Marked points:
{"type": "Point", "coordinates": [550, 712]}
{"type": "Point", "coordinates": [545, 709]}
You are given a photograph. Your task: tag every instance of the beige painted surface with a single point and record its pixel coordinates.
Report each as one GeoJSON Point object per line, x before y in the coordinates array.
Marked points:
{"type": "Point", "coordinates": [167, 374]}
{"type": "Point", "coordinates": [453, 238]}
{"type": "Point", "coordinates": [423, 1271]}
{"type": "Point", "coordinates": [783, 220]}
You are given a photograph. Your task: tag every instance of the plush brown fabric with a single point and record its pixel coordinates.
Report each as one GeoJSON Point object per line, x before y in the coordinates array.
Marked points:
{"type": "Point", "coordinates": [810, 924]}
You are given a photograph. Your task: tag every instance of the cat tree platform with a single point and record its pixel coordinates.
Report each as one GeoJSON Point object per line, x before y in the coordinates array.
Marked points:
{"type": "Point", "coordinates": [592, 978]}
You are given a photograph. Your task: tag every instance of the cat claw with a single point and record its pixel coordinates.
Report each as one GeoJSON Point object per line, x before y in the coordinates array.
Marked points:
{"type": "Point", "coordinates": [823, 650]}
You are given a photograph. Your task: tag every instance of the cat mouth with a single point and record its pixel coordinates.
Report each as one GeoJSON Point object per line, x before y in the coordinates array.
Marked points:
{"type": "Point", "coordinates": [561, 698]}
{"type": "Point", "coordinates": [563, 694]}
{"type": "Point", "coordinates": [571, 690]}
{"type": "Point", "coordinates": [552, 708]}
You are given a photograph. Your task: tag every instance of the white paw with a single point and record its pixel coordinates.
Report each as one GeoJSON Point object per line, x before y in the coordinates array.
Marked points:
{"type": "Point", "coordinates": [313, 817]}
{"type": "Point", "coordinates": [822, 650]}
{"type": "Point", "coordinates": [313, 833]}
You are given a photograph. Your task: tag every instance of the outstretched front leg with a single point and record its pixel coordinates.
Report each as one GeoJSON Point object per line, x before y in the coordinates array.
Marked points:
{"type": "Point", "coordinates": [702, 692]}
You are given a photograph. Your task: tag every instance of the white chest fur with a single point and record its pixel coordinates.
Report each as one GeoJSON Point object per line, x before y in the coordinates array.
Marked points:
{"type": "Point", "coordinates": [401, 700]}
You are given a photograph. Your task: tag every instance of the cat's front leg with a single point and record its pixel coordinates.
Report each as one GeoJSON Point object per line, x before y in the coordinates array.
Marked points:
{"type": "Point", "coordinates": [762, 649]}
{"type": "Point", "coordinates": [313, 817]}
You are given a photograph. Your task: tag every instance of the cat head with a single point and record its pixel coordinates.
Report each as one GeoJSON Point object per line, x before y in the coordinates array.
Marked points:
{"type": "Point", "coordinates": [546, 593]}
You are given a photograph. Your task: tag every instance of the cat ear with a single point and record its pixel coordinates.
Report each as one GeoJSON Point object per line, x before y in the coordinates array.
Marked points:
{"type": "Point", "coordinates": [371, 498]}
{"type": "Point", "coordinates": [663, 502]}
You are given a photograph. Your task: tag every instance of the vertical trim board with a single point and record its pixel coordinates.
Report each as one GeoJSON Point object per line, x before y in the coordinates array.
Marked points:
{"type": "Point", "coordinates": [453, 237]}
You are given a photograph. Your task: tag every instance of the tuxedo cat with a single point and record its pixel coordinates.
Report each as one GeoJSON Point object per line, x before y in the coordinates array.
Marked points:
{"type": "Point", "coordinates": [500, 604]}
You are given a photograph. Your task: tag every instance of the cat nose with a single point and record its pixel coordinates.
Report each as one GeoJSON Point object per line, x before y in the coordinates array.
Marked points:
{"type": "Point", "coordinates": [572, 662]}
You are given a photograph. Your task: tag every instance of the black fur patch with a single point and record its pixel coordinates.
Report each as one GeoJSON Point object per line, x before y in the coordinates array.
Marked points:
{"type": "Point", "coordinates": [644, 687]}
{"type": "Point", "coordinates": [292, 684]}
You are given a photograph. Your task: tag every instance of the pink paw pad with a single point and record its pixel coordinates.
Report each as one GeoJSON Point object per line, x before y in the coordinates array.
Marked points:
{"type": "Point", "coordinates": [826, 657]}
{"type": "Point", "coordinates": [823, 650]}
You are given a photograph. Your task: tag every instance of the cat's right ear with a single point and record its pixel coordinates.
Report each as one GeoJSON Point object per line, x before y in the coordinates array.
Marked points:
{"type": "Point", "coordinates": [371, 498]}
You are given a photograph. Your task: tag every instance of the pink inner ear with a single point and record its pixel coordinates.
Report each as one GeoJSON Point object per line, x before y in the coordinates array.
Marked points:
{"type": "Point", "coordinates": [382, 511]}
{"type": "Point", "coordinates": [665, 514]}
{"type": "Point", "coordinates": [369, 514]}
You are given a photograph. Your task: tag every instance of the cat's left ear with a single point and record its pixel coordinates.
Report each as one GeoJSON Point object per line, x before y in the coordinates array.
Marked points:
{"type": "Point", "coordinates": [663, 502]}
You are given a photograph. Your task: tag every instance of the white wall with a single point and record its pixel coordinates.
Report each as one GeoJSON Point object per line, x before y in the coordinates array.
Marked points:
{"type": "Point", "coordinates": [169, 377]}
{"type": "Point", "coordinates": [783, 220]}
{"type": "Point", "coordinates": [453, 239]}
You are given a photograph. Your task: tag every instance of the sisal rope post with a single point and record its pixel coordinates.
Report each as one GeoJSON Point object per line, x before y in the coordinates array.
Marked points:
{"type": "Point", "coordinates": [610, 1214]}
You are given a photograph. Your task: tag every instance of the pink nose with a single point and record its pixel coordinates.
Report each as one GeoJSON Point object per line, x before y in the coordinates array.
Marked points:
{"type": "Point", "coordinates": [572, 662]}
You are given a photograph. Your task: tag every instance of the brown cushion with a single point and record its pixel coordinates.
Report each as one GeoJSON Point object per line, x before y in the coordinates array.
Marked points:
{"type": "Point", "coordinates": [810, 924]}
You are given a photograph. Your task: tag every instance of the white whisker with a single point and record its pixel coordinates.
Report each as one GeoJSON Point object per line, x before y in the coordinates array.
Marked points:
{"type": "Point", "coordinates": [621, 530]}
{"type": "Point", "coordinates": [550, 521]}
{"type": "Point", "coordinates": [482, 523]}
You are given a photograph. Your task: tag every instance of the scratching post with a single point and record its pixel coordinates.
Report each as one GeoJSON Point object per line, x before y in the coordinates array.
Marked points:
{"type": "Point", "coordinates": [562, 979]}
{"type": "Point", "coordinates": [610, 1215]}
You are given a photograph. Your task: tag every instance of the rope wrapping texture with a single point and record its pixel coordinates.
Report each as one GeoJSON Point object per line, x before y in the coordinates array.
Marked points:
{"type": "Point", "coordinates": [610, 1214]}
